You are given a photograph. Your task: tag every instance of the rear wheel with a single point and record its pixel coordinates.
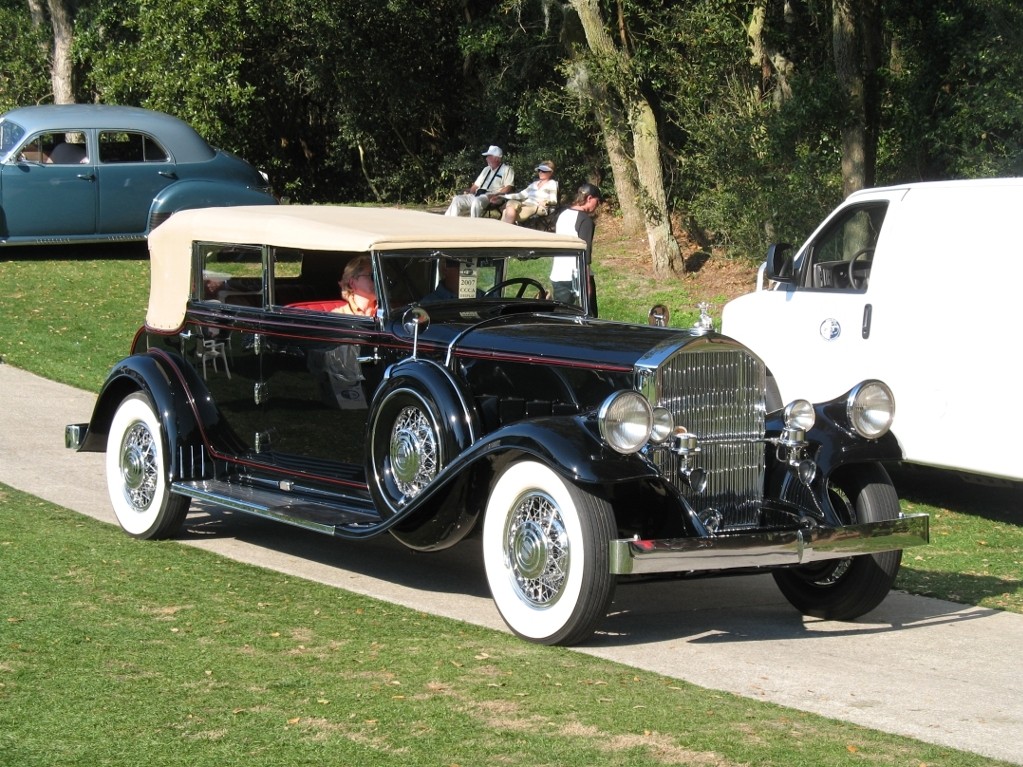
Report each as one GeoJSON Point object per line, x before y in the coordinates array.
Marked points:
{"type": "Point", "coordinates": [138, 473]}
{"type": "Point", "coordinates": [545, 549]}
{"type": "Point", "coordinates": [845, 589]}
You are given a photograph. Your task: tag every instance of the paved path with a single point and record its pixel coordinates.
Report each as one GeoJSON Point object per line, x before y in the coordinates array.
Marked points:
{"type": "Point", "coordinates": [932, 670]}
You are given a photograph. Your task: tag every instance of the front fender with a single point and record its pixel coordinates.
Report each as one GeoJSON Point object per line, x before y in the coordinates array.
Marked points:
{"type": "Point", "coordinates": [570, 445]}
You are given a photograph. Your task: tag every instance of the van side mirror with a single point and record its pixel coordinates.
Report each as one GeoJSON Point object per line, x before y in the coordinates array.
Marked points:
{"type": "Point", "coordinates": [779, 263]}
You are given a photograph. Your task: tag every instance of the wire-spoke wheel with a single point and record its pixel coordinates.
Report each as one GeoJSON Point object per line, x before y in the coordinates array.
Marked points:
{"type": "Point", "coordinates": [845, 589]}
{"type": "Point", "coordinates": [137, 473]}
{"type": "Point", "coordinates": [545, 549]}
{"type": "Point", "coordinates": [406, 446]}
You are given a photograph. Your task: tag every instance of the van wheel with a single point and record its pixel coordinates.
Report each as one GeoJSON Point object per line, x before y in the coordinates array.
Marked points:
{"type": "Point", "coordinates": [545, 550]}
{"type": "Point", "coordinates": [845, 589]}
{"type": "Point", "coordinates": [138, 473]}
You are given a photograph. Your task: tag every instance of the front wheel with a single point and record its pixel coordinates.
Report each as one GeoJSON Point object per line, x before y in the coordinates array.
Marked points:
{"type": "Point", "coordinates": [545, 550]}
{"type": "Point", "coordinates": [138, 474]}
{"type": "Point", "coordinates": [845, 589]}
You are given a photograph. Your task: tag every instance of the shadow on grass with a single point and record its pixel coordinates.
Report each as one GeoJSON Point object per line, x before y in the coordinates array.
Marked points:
{"type": "Point", "coordinates": [458, 570]}
{"type": "Point", "coordinates": [996, 500]}
{"type": "Point", "coordinates": [113, 251]}
{"type": "Point", "coordinates": [742, 608]}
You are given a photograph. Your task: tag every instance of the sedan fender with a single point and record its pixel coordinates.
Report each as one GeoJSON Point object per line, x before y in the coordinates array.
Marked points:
{"type": "Point", "coordinates": [184, 195]}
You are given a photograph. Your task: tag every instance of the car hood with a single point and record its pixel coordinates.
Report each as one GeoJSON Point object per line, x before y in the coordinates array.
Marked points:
{"type": "Point", "coordinates": [572, 340]}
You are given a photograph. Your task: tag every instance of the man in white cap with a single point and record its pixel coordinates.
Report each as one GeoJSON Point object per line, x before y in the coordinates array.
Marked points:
{"type": "Point", "coordinates": [496, 179]}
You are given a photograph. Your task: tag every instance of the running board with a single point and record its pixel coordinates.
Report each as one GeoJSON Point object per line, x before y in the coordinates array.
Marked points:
{"type": "Point", "coordinates": [321, 517]}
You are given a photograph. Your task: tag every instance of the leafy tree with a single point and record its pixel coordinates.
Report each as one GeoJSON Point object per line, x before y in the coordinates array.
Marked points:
{"type": "Point", "coordinates": [746, 120]}
{"type": "Point", "coordinates": [25, 73]}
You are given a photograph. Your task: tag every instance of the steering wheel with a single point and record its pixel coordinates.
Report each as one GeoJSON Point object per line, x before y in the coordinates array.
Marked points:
{"type": "Point", "coordinates": [522, 282]}
{"type": "Point", "coordinates": [859, 283]}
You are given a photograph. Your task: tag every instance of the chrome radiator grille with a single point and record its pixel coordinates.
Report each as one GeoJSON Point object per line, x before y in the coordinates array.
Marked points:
{"type": "Point", "coordinates": [717, 393]}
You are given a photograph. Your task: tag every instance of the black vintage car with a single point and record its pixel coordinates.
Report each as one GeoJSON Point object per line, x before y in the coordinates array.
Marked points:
{"type": "Point", "coordinates": [471, 399]}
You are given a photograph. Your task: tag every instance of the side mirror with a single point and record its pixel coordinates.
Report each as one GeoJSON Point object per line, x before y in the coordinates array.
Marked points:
{"type": "Point", "coordinates": [779, 263]}
{"type": "Point", "coordinates": [658, 316]}
{"type": "Point", "coordinates": [415, 321]}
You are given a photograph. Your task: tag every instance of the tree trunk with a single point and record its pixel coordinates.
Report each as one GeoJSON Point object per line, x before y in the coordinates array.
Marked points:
{"type": "Point", "coordinates": [664, 248]}
{"type": "Point", "coordinates": [612, 127]}
{"type": "Point", "coordinates": [37, 12]}
{"type": "Point", "coordinates": [856, 42]}
{"type": "Point", "coordinates": [638, 123]}
{"type": "Point", "coordinates": [62, 65]}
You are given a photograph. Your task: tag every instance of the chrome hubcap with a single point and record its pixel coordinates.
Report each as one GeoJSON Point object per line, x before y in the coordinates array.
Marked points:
{"type": "Point", "coordinates": [537, 549]}
{"type": "Point", "coordinates": [413, 452]}
{"type": "Point", "coordinates": [139, 466]}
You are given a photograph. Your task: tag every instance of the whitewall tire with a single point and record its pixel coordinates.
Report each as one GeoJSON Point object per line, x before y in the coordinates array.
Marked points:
{"type": "Point", "coordinates": [545, 549]}
{"type": "Point", "coordinates": [137, 472]}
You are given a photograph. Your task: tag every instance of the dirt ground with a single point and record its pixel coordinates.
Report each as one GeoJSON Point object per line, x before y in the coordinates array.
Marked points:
{"type": "Point", "coordinates": [708, 276]}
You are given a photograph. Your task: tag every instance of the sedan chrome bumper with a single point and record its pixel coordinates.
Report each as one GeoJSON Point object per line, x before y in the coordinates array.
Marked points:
{"type": "Point", "coordinates": [636, 557]}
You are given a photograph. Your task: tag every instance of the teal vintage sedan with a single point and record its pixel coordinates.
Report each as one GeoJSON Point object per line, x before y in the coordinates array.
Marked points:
{"type": "Point", "coordinates": [80, 173]}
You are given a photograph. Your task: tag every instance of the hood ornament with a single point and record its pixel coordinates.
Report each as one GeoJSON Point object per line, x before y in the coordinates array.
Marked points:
{"type": "Point", "coordinates": [705, 324]}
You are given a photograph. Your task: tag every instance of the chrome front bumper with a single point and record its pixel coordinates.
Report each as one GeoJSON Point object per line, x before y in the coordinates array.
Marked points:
{"type": "Point", "coordinates": [726, 552]}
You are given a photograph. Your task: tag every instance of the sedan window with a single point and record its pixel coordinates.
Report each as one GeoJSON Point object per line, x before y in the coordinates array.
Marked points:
{"type": "Point", "coordinates": [57, 148]}
{"type": "Point", "coordinates": [126, 146]}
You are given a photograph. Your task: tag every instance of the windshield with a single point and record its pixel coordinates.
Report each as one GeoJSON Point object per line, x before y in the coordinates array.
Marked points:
{"type": "Point", "coordinates": [11, 135]}
{"type": "Point", "coordinates": [458, 276]}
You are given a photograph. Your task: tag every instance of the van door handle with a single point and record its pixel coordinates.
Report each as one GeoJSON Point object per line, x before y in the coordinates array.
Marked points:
{"type": "Point", "coordinates": [867, 312]}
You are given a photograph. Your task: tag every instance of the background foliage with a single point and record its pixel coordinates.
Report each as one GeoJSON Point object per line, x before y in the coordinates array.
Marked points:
{"type": "Point", "coordinates": [392, 102]}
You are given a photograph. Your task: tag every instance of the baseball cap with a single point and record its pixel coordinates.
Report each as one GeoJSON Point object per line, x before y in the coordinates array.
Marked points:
{"type": "Point", "coordinates": [590, 190]}
{"type": "Point", "coordinates": [494, 151]}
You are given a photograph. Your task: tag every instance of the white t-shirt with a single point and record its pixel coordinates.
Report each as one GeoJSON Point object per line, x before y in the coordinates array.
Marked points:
{"type": "Point", "coordinates": [490, 180]}
{"type": "Point", "coordinates": [563, 269]}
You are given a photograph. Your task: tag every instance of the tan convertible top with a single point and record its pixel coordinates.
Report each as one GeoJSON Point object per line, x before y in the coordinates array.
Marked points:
{"type": "Point", "coordinates": [315, 227]}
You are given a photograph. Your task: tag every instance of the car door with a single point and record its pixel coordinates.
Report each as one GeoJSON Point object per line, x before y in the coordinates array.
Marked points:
{"type": "Point", "coordinates": [49, 187]}
{"type": "Point", "coordinates": [816, 333]}
{"type": "Point", "coordinates": [318, 370]}
{"type": "Point", "coordinates": [133, 168]}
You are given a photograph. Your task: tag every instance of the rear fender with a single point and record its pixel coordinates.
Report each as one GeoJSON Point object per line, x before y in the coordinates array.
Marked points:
{"type": "Point", "coordinates": [184, 195]}
{"type": "Point", "coordinates": [162, 381]}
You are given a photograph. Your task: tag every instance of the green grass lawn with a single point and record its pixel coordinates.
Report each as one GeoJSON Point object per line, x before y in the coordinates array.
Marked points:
{"type": "Point", "coordinates": [116, 652]}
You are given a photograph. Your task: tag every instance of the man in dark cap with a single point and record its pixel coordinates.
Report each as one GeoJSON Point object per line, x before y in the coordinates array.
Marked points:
{"type": "Point", "coordinates": [577, 220]}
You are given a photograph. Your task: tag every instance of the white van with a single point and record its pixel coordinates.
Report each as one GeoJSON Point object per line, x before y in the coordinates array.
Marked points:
{"type": "Point", "coordinates": [920, 286]}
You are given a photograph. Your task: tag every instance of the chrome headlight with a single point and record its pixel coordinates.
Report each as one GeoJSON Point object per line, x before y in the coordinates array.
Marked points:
{"type": "Point", "coordinates": [626, 420]}
{"type": "Point", "coordinates": [663, 425]}
{"type": "Point", "coordinates": [799, 415]}
{"type": "Point", "coordinates": [870, 409]}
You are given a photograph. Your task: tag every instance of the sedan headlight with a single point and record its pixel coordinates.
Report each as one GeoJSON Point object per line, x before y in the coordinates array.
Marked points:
{"type": "Point", "coordinates": [870, 409]}
{"type": "Point", "coordinates": [626, 420]}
